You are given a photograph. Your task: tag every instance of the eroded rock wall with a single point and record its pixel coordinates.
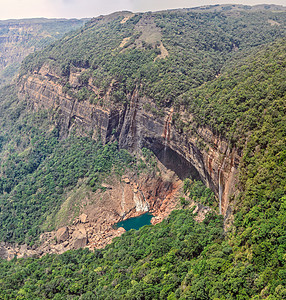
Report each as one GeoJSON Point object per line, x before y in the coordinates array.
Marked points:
{"type": "Point", "coordinates": [135, 126]}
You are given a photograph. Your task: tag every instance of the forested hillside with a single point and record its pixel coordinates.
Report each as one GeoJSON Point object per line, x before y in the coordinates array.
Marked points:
{"type": "Point", "coordinates": [195, 44]}
{"type": "Point", "coordinates": [223, 71]}
{"type": "Point", "coordinates": [180, 258]}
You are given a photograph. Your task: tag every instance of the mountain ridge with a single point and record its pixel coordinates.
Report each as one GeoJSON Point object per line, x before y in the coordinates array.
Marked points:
{"type": "Point", "coordinates": [18, 38]}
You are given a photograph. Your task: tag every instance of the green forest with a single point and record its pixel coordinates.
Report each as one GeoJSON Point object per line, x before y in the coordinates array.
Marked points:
{"type": "Point", "coordinates": [227, 71]}
{"type": "Point", "coordinates": [198, 44]}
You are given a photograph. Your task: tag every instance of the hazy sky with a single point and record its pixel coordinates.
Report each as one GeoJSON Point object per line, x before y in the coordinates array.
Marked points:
{"type": "Point", "coordinates": [91, 8]}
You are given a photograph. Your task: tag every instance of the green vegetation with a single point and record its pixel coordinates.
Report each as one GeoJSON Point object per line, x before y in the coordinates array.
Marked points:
{"type": "Point", "coordinates": [247, 104]}
{"type": "Point", "coordinates": [198, 45]}
{"type": "Point", "coordinates": [198, 192]}
{"type": "Point", "coordinates": [248, 93]}
{"type": "Point", "coordinates": [227, 69]}
{"type": "Point", "coordinates": [151, 263]}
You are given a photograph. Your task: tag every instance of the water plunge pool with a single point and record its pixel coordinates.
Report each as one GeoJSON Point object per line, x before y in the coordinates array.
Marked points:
{"type": "Point", "coordinates": [135, 223]}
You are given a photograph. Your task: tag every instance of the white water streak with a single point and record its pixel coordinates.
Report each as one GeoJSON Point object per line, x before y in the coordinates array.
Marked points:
{"type": "Point", "coordinates": [166, 142]}
{"type": "Point", "coordinates": [167, 135]}
{"type": "Point", "coordinates": [220, 186]}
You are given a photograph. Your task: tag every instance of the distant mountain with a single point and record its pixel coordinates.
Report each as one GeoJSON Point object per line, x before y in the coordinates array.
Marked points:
{"type": "Point", "coordinates": [239, 7]}
{"type": "Point", "coordinates": [18, 38]}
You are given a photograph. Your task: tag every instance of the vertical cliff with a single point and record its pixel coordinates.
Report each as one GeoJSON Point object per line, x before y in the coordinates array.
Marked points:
{"type": "Point", "coordinates": [200, 154]}
{"type": "Point", "coordinates": [122, 77]}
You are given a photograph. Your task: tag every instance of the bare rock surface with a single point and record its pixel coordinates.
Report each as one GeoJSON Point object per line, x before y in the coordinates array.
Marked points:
{"type": "Point", "coordinates": [216, 163]}
{"type": "Point", "coordinates": [79, 238]}
{"type": "Point", "coordinates": [94, 228]}
{"type": "Point", "coordinates": [62, 234]}
{"type": "Point", "coordinates": [83, 218]}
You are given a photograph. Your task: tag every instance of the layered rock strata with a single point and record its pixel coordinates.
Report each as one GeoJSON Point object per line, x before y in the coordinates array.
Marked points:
{"type": "Point", "coordinates": [202, 155]}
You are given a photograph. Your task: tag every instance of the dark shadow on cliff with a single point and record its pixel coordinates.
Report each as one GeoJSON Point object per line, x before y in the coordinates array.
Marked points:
{"type": "Point", "coordinates": [172, 160]}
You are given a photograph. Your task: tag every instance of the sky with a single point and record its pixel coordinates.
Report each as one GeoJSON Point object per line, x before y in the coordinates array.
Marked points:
{"type": "Point", "coordinates": [16, 9]}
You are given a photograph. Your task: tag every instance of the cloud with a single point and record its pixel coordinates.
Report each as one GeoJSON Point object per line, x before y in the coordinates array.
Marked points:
{"type": "Point", "coordinates": [92, 8]}
{"type": "Point", "coordinates": [60, 8]}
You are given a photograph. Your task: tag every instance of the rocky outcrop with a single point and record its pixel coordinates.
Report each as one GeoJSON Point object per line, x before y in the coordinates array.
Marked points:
{"type": "Point", "coordinates": [83, 218]}
{"type": "Point", "coordinates": [131, 195]}
{"type": "Point", "coordinates": [79, 237]}
{"type": "Point", "coordinates": [198, 153]}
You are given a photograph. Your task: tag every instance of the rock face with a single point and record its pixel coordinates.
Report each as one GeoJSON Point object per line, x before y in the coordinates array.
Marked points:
{"type": "Point", "coordinates": [83, 218]}
{"type": "Point", "coordinates": [135, 127]}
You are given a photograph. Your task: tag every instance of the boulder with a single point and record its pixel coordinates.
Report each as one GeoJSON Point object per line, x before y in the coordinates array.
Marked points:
{"type": "Point", "coordinates": [59, 248]}
{"type": "Point", "coordinates": [79, 237]}
{"type": "Point", "coordinates": [3, 252]}
{"type": "Point", "coordinates": [62, 234]}
{"type": "Point", "coordinates": [83, 218]}
{"type": "Point", "coordinates": [81, 229]}
{"type": "Point", "coordinates": [80, 241]}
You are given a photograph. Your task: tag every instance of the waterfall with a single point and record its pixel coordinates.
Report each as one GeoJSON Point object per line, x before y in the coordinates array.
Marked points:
{"type": "Point", "coordinates": [220, 186]}
{"type": "Point", "coordinates": [166, 143]}
{"type": "Point", "coordinates": [167, 133]}
{"type": "Point", "coordinates": [219, 191]}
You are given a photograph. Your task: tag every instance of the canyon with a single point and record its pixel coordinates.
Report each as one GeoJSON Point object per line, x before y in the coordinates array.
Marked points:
{"type": "Point", "coordinates": [201, 154]}
{"type": "Point", "coordinates": [78, 103]}
{"type": "Point", "coordinates": [175, 116]}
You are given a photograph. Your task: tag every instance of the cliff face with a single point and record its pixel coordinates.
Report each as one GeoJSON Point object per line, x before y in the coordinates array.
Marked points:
{"type": "Point", "coordinates": [202, 155]}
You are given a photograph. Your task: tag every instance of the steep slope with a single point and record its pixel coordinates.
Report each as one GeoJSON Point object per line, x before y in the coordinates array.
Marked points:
{"type": "Point", "coordinates": [181, 258]}
{"type": "Point", "coordinates": [18, 38]}
{"type": "Point", "coordinates": [124, 74]}
{"type": "Point", "coordinates": [210, 104]}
